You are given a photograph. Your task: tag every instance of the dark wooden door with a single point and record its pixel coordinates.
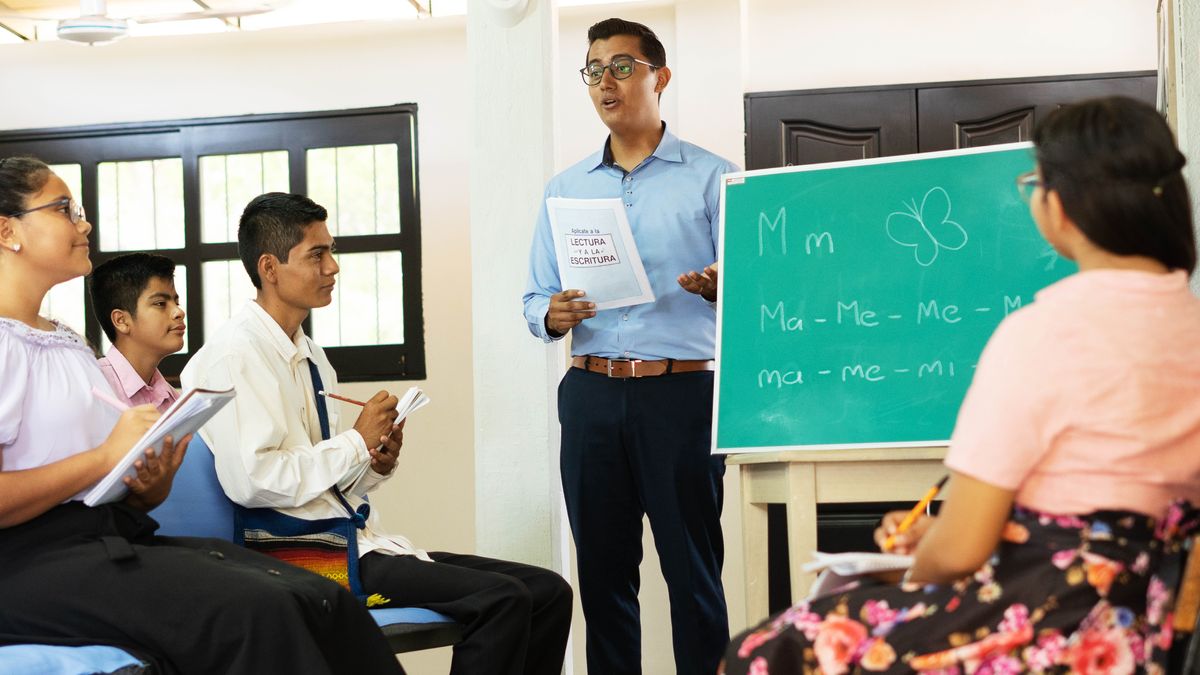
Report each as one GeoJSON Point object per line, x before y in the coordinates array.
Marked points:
{"type": "Point", "coordinates": [790, 128]}
{"type": "Point", "coordinates": [988, 113]}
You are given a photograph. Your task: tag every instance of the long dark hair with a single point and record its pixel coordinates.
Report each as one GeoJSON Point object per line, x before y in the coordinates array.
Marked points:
{"type": "Point", "coordinates": [1115, 166]}
{"type": "Point", "coordinates": [20, 178]}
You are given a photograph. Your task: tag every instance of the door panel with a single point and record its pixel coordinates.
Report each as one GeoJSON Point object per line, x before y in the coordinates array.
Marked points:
{"type": "Point", "coordinates": [973, 115]}
{"type": "Point", "coordinates": [792, 128]}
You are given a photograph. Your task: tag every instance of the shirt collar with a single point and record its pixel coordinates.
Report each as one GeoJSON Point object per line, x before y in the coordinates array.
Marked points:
{"type": "Point", "coordinates": [667, 150]}
{"type": "Point", "coordinates": [290, 349]}
{"type": "Point", "coordinates": [131, 382]}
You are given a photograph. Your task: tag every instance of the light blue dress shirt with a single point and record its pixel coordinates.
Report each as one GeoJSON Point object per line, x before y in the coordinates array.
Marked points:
{"type": "Point", "coordinates": [672, 200]}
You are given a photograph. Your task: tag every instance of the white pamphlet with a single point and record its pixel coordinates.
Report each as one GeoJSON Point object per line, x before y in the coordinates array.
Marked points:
{"type": "Point", "coordinates": [596, 252]}
{"type": "Point", "coordinates": [185, 416]}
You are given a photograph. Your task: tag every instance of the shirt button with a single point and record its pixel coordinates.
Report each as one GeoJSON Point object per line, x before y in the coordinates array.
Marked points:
{"type": "Point", "coordinates": [624, 317]}
{"type": "Point", "coordinates": [628, 179]}
{"type": "Point", "coordinates": [217, 554]}
{"type": "Point", "coordinates": [628, 204]}
{"type": "Point", "coordinates": [626, 353]}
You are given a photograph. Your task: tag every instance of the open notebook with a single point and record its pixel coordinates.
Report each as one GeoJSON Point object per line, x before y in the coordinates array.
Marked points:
{"type": "Point", "coordinates": [413, 400]}
{"type": "Point", "coordinates": [839, 569]}
{"type": "Point", "coordinates": [193, 409]}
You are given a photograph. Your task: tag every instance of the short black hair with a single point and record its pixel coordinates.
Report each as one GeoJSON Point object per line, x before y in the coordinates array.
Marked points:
{"type": "Point", "coordinates": [1115, 166]}
{"type": "Point", "coordinates": [20, 179]}
{"type": "Point", "coordinates": [118, 283]}
{"type": "Point", "coordinates": [274, 223]}
{"type": "Point", "coordinates": [652, 47]}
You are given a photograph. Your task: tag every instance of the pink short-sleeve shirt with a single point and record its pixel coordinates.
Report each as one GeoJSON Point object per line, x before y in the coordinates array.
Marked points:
{"type": "Point", "coordinates": [1089, 398]}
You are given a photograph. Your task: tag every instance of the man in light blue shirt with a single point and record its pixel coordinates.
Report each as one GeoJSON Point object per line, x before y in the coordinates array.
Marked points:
{"type": "Point", "coordinates": [636, 405]}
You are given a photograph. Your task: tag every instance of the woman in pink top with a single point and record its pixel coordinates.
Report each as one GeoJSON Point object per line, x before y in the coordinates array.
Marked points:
{"type": "Point", "coordinates": [1056, 549]}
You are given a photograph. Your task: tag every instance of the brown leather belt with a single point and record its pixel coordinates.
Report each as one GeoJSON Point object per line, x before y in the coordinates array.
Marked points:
{"type": "Point", "coordinates": [638, 367]}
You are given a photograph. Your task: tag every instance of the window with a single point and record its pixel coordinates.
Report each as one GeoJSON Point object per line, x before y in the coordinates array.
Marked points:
{"type": "Point", "coordinates": [178, 189]}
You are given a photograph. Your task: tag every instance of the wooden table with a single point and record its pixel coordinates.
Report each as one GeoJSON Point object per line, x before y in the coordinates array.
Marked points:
{"type": "Point", "coordinates": [801, 479]}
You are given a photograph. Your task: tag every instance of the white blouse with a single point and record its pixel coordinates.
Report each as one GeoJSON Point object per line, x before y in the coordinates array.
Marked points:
{"type": "Point", "coordinates": [47, 410]}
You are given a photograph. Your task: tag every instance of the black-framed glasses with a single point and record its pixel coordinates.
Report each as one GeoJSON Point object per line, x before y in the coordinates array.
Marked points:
{"type": "Point", "coordinates": [74, 209]}
{"type": "Point", "coordinates": [621, 67]}
{"type": "Point", "coordinates": [1027, 183]}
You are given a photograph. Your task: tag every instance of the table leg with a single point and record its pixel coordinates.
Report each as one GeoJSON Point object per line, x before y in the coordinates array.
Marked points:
{"type": "Point", "coordinates": [754, 547]}
{"type": "Point", "coordinates": [802, 525]}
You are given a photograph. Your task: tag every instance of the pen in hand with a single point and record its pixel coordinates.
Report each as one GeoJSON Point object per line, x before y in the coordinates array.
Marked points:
{"type": "Point", "coordinates": [912, 516]}
{"type": "Point", "coordinates": [341, 398]}
{"type": "Point", "coordinates": [111, 400]}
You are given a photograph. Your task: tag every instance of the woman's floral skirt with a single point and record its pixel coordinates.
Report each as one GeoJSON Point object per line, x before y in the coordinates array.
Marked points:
{"type": "Point", "coordinates": [1085, 595]}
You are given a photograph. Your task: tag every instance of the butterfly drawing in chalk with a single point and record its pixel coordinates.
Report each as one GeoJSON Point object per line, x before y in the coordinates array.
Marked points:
{"type": "Point", "coordinates": [927, 229]}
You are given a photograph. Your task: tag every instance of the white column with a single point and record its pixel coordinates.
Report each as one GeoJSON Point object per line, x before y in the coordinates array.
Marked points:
{"type": "Point", "coordinates": [1184, 87]}
{"type": "Point", "coordinates": [518, 512]}
{"type": "Point", "coordinates": [709, 90]}
{"type": "Point", "coordinates": [709, 94]}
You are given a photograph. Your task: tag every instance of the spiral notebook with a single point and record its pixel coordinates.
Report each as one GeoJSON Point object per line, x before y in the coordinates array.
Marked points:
{"type": "Point", "coordinates": [837, 570]}
{"type": "Point", "coordinates": [185, 416]}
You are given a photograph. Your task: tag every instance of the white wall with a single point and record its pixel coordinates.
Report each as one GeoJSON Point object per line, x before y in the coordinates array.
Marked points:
{"type": "Point", "coordinates": [809, 44]}
{"type": "Point", "coordinates": [777, 45]}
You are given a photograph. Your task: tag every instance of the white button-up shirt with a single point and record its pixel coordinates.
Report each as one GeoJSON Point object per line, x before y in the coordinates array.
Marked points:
{"type": "Point", "coordinates": [267, 440]}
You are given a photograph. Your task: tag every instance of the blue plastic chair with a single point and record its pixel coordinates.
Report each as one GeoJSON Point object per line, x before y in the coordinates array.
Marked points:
{"type": "Point", "coordinates": [63, 660]}
{"type": "Point", "coordinates": [198, 507]}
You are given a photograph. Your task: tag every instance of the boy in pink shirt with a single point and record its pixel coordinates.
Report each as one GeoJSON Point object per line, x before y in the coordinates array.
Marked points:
{"type": "Point", "coordinates": [136, 304]}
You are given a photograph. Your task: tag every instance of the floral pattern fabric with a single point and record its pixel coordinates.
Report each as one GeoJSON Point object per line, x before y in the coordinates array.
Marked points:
{"type": "Point", "coordinates": [1089, 595]}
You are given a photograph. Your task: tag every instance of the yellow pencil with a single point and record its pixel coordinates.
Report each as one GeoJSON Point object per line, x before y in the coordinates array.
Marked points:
{"type": "Point", "coordinates": [912, 515]}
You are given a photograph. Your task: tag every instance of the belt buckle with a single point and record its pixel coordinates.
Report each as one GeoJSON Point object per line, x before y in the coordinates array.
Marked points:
{"type": "Point", "coordinates": [629, 361]}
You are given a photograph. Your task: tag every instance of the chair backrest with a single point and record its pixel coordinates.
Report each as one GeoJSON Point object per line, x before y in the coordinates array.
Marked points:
{"type": "Point", "coordinates": [197, 506]}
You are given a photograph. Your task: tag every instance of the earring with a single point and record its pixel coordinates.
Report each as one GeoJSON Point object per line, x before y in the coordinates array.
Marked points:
{"type": "Point", "coordinates": [16, 248]}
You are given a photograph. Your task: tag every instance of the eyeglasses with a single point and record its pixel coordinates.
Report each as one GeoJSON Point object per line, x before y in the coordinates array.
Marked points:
{"type": "Point", "coordinates": [621, 67]}
{"type": "Point", "coordinates": [1027, 183]}
{"type": "Point", "coordinates": [74, 210]}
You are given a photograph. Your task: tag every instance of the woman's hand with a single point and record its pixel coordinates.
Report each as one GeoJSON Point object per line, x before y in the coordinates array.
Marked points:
{"type": "Point", "coordinates": [155, 474]}
{"type": "Point", "coordinates": [131, 426]}
{"type": "Point", "coordinates": [906, 542]}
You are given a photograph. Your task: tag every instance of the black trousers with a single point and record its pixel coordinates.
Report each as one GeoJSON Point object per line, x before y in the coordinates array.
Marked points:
{"type": "Point", "coordinates": [641, 446]}
{"type": "Point", "coordinates": [517, 617]}
{"type": "Point", "coordinates": [100, 576]}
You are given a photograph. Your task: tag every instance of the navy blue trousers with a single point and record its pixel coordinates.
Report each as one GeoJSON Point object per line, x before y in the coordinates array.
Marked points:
{"type": "Point", "coordinates": [641, 446]}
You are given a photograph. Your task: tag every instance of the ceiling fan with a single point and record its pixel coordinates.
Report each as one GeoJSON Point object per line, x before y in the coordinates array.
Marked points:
{"type": "Point", "coordinates": [94, 25]}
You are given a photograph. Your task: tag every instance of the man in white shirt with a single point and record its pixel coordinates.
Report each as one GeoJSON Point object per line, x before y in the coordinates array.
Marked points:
{"type": "Point", "coordinates": [271, 451]}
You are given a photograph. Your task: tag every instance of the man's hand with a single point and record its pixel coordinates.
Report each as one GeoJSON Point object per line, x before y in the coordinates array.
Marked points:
{"type": "Point", "coordinates": [565, 312]}
{"type": "Point", "coordinates": [375, 420]}
{"type": "Point", "coordinates": [702, 283]}
{"type": "Point", "coordinates": [155, 474]}
{"type": "Point", "coordinates": [383, 458]}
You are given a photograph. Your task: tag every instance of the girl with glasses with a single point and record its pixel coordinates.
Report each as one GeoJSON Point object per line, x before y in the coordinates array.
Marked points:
{"type": "Point", "coordinates": [70, 573]}
{"type": "Point", "coordinates": [1057, 547]}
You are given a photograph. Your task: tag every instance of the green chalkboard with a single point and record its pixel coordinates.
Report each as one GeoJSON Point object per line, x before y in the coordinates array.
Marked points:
{"type": "Point", "coordinates": [856, 297]}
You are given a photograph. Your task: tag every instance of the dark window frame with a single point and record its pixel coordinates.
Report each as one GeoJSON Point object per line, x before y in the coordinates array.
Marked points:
{"type": "Point", "coordinates": [296, 133]}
